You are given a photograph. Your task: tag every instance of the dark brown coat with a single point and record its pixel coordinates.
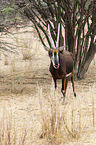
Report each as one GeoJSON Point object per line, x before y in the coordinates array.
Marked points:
{"type": "Point", "coordinates": [66, 65]}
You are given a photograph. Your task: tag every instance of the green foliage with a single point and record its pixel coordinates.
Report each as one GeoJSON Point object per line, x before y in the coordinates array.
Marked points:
{"type": "Point", "coordinates": [8, 13]}
{"type": "Point", "coordinates": [7, 10]}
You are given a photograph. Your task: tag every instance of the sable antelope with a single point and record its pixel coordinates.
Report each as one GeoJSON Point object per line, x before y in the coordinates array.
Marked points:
{"type": "Point", "coordinates": [62, 64]}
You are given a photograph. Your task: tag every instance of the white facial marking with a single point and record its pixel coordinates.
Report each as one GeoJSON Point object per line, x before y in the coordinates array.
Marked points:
{"type": "Point", "coordinates": [57, 57]}
{"type": "Point", "coordinates": [54, 59]}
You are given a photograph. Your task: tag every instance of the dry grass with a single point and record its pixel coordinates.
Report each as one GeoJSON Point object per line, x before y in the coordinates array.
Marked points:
{"type": "Point", "coordinates": [60, 122]}
{"type": "Point", "coordinates": [33, 113]}
{"type": "Point", "coordinates": [65, 121]}
{"type": "Point", "coordinates": [27, 50]}
{"type": "Point", "coordinates": [17, 86]}
{"type": "Point", "coordinates": [6, 61]}
{"type": "Point", "coordinates": [9, 135]}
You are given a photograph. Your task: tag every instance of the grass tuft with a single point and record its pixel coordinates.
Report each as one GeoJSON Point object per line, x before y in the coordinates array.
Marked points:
{"type": "Point", "coordinates": [58, 125]}
{"type": "Point", "coordinates": [6, 61]}
{"type": "Point", "coordinates": [9, 134]}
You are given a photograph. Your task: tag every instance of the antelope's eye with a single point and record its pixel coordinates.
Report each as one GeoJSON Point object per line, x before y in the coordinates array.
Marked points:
{"type": "Point", "coordinates": [55, 53]}
{"type": "Point", "coordinates": [50, 53]}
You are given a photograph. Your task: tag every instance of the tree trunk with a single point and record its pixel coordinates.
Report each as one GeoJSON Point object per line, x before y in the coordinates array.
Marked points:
{"type": "Point", "coordinates": [85, 67]}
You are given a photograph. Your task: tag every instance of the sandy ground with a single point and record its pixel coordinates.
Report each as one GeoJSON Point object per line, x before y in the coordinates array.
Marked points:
{"type": "Point", "coordinates": [20, 85]}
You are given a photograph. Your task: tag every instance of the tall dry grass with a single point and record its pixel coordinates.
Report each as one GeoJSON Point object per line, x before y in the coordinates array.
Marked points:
{"type": "Point", "coordinates": [61, 121]}
{"type": "Point", "coordinates": [68, 120]}
{"type": "Point", "coordinates": [12, 132]}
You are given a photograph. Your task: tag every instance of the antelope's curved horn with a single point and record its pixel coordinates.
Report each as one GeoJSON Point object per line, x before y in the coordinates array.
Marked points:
{"type": "Point", "coordinates": [52, 42]}
{"type": "Point", "coordinates": [46, 48]}
{"type": "Point", "coordinates": [57, 42]}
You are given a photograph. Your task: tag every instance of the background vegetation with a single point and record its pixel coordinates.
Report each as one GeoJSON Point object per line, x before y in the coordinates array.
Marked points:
{"type": "Point", "coordinates": [78, 25]}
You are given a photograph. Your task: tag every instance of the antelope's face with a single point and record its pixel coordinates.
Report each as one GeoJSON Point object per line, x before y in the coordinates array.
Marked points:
{"type": "Point", "coordinates": [54, 51]}
{"type": "Point", "coordinates": [54, 56]}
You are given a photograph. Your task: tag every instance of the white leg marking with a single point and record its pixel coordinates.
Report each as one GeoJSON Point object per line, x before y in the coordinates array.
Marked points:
{"type": "Point", "coordinates": [63, 91]}
{"type": "Point", "coordinates": [68, 74]}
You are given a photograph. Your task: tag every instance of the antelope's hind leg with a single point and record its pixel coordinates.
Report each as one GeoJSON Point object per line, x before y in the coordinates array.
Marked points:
{"type": "Point", "coordinates": [66, 85]}
{"type": "Point", "coordinates": [72, 80]}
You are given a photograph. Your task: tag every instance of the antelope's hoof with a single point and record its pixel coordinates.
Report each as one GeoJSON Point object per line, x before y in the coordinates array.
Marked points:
{"type": "Point", "coordinates": [74, 94]}
{"type": "Point", "coordinates": [63, 98]}
{"type": "Point", "coordinates": [63, 92]}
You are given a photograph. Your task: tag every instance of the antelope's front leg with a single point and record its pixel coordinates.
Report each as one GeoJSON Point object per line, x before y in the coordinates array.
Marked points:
{"type": "Point", "coordinates": [55, 84]}
{"type": "Point", "coordinates": [63, 90]}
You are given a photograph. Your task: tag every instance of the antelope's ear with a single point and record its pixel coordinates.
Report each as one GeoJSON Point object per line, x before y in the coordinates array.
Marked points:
{"type": "Point", "coordinates": [46, 48]}
{"type": "Point", "coordinates": [61, 48]}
